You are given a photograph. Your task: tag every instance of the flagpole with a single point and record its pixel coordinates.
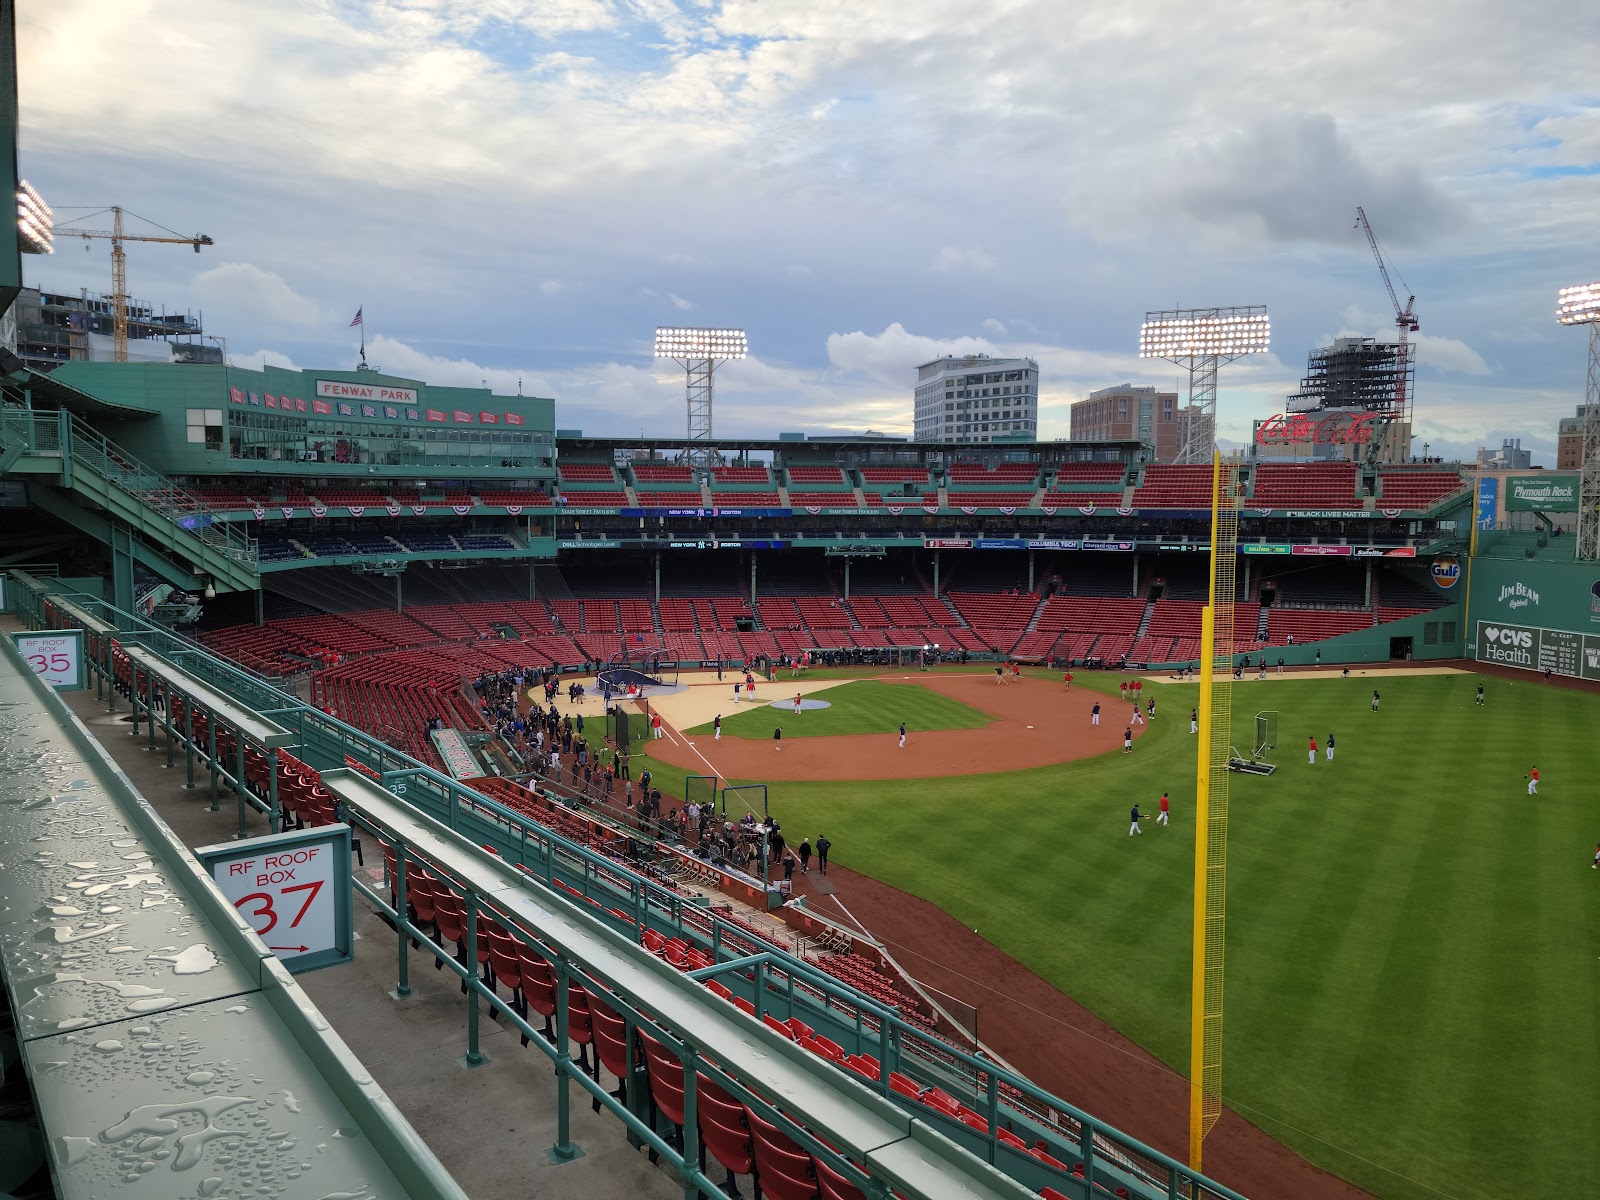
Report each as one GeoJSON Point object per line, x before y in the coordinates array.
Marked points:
{"type": "Point", "coordinates": [363, 313]}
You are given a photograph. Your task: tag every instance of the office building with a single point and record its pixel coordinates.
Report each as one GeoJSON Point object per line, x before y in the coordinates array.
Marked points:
{"type": "Point", "coordinates": [1125, 413]}
{"type": "Point", "coordinates": [973, 399]}
{"type": "Point", "coordinates": [1569, 440]}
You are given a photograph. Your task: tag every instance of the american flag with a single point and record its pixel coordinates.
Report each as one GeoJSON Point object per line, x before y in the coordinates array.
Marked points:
{"type": "Point", "coordinates": [357, 320]}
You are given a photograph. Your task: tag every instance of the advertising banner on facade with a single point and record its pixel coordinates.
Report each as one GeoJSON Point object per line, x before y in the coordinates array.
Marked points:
{"type": "Point", "coordinates": [1488, 499]}
{"type": "Point", "coordinates": [1560, 651]}
{"type": "Point", "coordinates": [1541, 493]}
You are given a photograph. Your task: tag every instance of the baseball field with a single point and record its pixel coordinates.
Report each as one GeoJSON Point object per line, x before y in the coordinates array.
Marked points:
{"type": "Point", "coordinates": [1413, 961]}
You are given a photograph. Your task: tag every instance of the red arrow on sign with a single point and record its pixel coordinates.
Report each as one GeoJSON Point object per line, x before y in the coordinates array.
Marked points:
{"type": "Point", "coordinates": [297, 949]}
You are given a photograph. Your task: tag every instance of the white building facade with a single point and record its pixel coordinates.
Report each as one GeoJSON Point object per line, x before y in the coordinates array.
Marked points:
{"type": "Point", "coordinates": [975, 400]}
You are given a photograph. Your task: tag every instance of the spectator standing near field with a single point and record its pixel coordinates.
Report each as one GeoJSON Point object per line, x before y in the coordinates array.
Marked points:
{"type": "Point", "coordinates": [823, 846]}
{"type": "Point", "coordinates": [805, 856]}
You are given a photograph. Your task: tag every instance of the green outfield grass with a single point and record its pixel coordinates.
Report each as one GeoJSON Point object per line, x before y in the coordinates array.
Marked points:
{"type": "Point", "coordinates": [1413, 962]}
{"type": "Point", "coordinates": [865, 706]}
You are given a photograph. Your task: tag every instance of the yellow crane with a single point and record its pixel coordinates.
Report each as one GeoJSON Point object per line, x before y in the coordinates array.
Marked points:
{"type": "Point", "coordinates": [119, 268]}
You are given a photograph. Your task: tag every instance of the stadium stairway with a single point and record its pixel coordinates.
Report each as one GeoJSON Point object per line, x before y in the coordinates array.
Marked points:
{"type": "Point", "coordinates": [1144, 620]}
{"type": "Point", "coordinates": [142, 515]}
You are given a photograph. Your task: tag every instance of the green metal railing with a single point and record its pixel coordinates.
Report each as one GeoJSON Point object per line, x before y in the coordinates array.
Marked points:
{"type": "Point", "coordinates": [81, 446]}
{"type": "Point", "coordinates": [324, 742]}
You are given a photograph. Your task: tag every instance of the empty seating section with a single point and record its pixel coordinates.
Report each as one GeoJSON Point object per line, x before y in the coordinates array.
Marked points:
{"type": "Point", "coordinates": [1000, 475]}
{"type": "Point", "coordinates": [741, 475]}
{"type": "Point", "coordinates": [1103, 474]}
{"type": "Point", "coordinates": [1394, 588]}
{"type": "Point", "coordinates": [673, 499]}
{"type": "Point", "coordinates": [527, 498]}
{"type": "Point", "coordinates": [1173, 485]}
{"type": "Point", "coordinates": [1083, 499]}
{"type": "Point", "coordinates": [221, 500]}
{"type": "Point", "coordinates": [1415, 489]}
{"type": "Point", "coordinates": [1304, 485]}
{"type": "Point", "coordinates": [1178, 618]}
{"type": "Point", "coordinates": [595, 498]}
{"type": "Point", "coordinates": [998, 619]}
{"type": "Point", "coordinates": [817, 476]}
{"type": "Point", "coordinates": [571, 472]}
{"type": "Point", "coordinates": [662, 473]}
{"type": "Point", "coordinates": [745, 499]}
{"type": "Point", "coordinates": [359, 499]}
{"type": "Point", "coordinates": [894, 475]}
{"type": "Point", "coordinates": [1310, 625]}
{"type": "Point", "coordinates": [821, 499]}
{"type": "Point", "coordinates": [989, 499]}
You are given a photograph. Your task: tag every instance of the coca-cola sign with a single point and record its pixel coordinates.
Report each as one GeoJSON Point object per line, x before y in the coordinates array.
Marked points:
{"type": "Point", "coordinates": [1335, 429]}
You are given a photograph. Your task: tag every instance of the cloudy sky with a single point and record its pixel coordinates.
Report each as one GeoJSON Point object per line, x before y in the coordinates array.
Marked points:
{"type": "Point", "coordinates": [524, 189]}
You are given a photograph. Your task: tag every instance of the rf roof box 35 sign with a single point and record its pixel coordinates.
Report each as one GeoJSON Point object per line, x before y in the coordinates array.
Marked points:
{"type": "Point", "coordinates": [293, 889]}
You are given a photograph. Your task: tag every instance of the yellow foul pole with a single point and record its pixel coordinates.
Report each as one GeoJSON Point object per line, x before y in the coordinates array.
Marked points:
{"type": "Point", "coordinates": [1211, 812]}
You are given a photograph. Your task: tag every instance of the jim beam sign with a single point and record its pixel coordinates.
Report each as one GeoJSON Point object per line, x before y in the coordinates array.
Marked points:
{"type": "Point", "coordinates": [1559, 651]}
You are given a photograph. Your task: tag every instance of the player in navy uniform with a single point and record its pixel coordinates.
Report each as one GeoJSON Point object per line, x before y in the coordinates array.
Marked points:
{"type": "Point", "coordinates": [1329, 748]}
{"type": "Point", "coordinates": [1094, 714]}
{"type": "Point", "coordinates": [1134, 828]}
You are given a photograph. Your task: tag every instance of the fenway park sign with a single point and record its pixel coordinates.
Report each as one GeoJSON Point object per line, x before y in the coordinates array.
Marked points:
{"type": "Point", "coordinates": [1336, 429]}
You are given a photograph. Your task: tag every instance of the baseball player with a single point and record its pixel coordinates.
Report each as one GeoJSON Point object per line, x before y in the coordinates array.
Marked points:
{"type": "Point", "coordinates": [1094, 714]}
{"type": "Point", "coordinates": [1134, 828]}
{"type": "Point", "coordinates": [1595, 865]}
{"type": "Point", "coordinates": [1328, 749]}
{"type": "Point", "coordinates": [1138, 717]}
{"type": "Point", "coordinates": [902, 735]}
{"type": "Point", "coordinates": [1127, 739]}
{"type": "Point", "coordinates": [1194, 720]}
{"type": "Point", "coordinates": [1479, 699]}
{"type": "Point", "coordinates": [716, 727]}
{"type": "Point", "coordinates": [1161, 817]}
{"type": "Point", "coordinates": [1533, 781]}
{"type": "Point", "coordinates": [777, 737]}
{"type": "Point", "coordinates": [1313, 758]}
{"type": "Point", "coordinates": [1375, 699]}
{"type": "Point", "coordinates": [797, 704]}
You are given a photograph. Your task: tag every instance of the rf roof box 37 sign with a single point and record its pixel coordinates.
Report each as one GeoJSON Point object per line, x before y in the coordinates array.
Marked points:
{"type": "Point", "coordinates": [293, 889]}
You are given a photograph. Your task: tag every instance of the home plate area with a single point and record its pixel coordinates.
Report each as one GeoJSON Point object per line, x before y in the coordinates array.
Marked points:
{"type": "Point", "coordinates": [807, 704]}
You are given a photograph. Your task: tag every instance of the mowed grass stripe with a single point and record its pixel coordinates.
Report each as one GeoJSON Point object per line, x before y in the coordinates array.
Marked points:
{"type": "Point", "coordinates": [1412, 951]}
{"type": "Point", "coordinates": [865, 706]}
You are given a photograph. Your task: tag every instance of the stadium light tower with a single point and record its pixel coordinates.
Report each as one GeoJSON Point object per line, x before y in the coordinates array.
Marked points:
{"type": "Point", "coordinates": [1202, 339]}
{"type": "Point", "coordinates": [698, 351]}
{"type": "Point", "coordinates": [1581, 306]}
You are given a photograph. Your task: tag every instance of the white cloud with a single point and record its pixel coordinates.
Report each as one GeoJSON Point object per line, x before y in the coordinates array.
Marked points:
{"type": "Point", "coordinates": [679, 302]}
{"type": "Point", "coordinates": [549, 287]}
{"type": "Point", "coordinates": [242, 291]}
{"type": "Point", "coordinates": [993, 326]}
{"type": "Point", "coordinates": [893, 355]}
{"type": "Point", "coordinates": [797, 271]}
{"type": "Point", "coordinates": [1448, 354]}
{"type": "Point", "coordinates": [965, 259]}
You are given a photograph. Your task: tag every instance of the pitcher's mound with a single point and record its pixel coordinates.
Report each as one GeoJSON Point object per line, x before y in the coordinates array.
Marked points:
{"type": "Point", "coordinates": [807, 704]}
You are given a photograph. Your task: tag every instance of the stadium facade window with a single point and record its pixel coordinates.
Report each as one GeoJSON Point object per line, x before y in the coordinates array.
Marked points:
{"type": "Point", "coordinates": [1430, 633]}
{"type": "Point", "coordinates": [1447, 631]}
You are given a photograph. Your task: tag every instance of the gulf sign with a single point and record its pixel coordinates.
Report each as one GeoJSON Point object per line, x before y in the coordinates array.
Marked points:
{"type": "Point", "coordinates": [1446, 571]}
{"type": "Point", "coordinates": [1335, 429]}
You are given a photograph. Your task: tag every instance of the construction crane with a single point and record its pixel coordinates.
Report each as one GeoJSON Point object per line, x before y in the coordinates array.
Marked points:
{"type": "Point", "coordinates": [119, 268]}
{"type": "Point", "coordinates": [1405, 320]}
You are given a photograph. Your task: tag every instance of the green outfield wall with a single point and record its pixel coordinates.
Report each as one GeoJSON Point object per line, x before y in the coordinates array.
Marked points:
{"type": "Point", "coordinates": [1536, 614]}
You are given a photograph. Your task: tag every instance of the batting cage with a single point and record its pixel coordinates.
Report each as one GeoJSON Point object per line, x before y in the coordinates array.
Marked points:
{"type": "Point", "coordinates": [640, 666]}
{"type": "Point", "coordinates": [1266, 733]}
